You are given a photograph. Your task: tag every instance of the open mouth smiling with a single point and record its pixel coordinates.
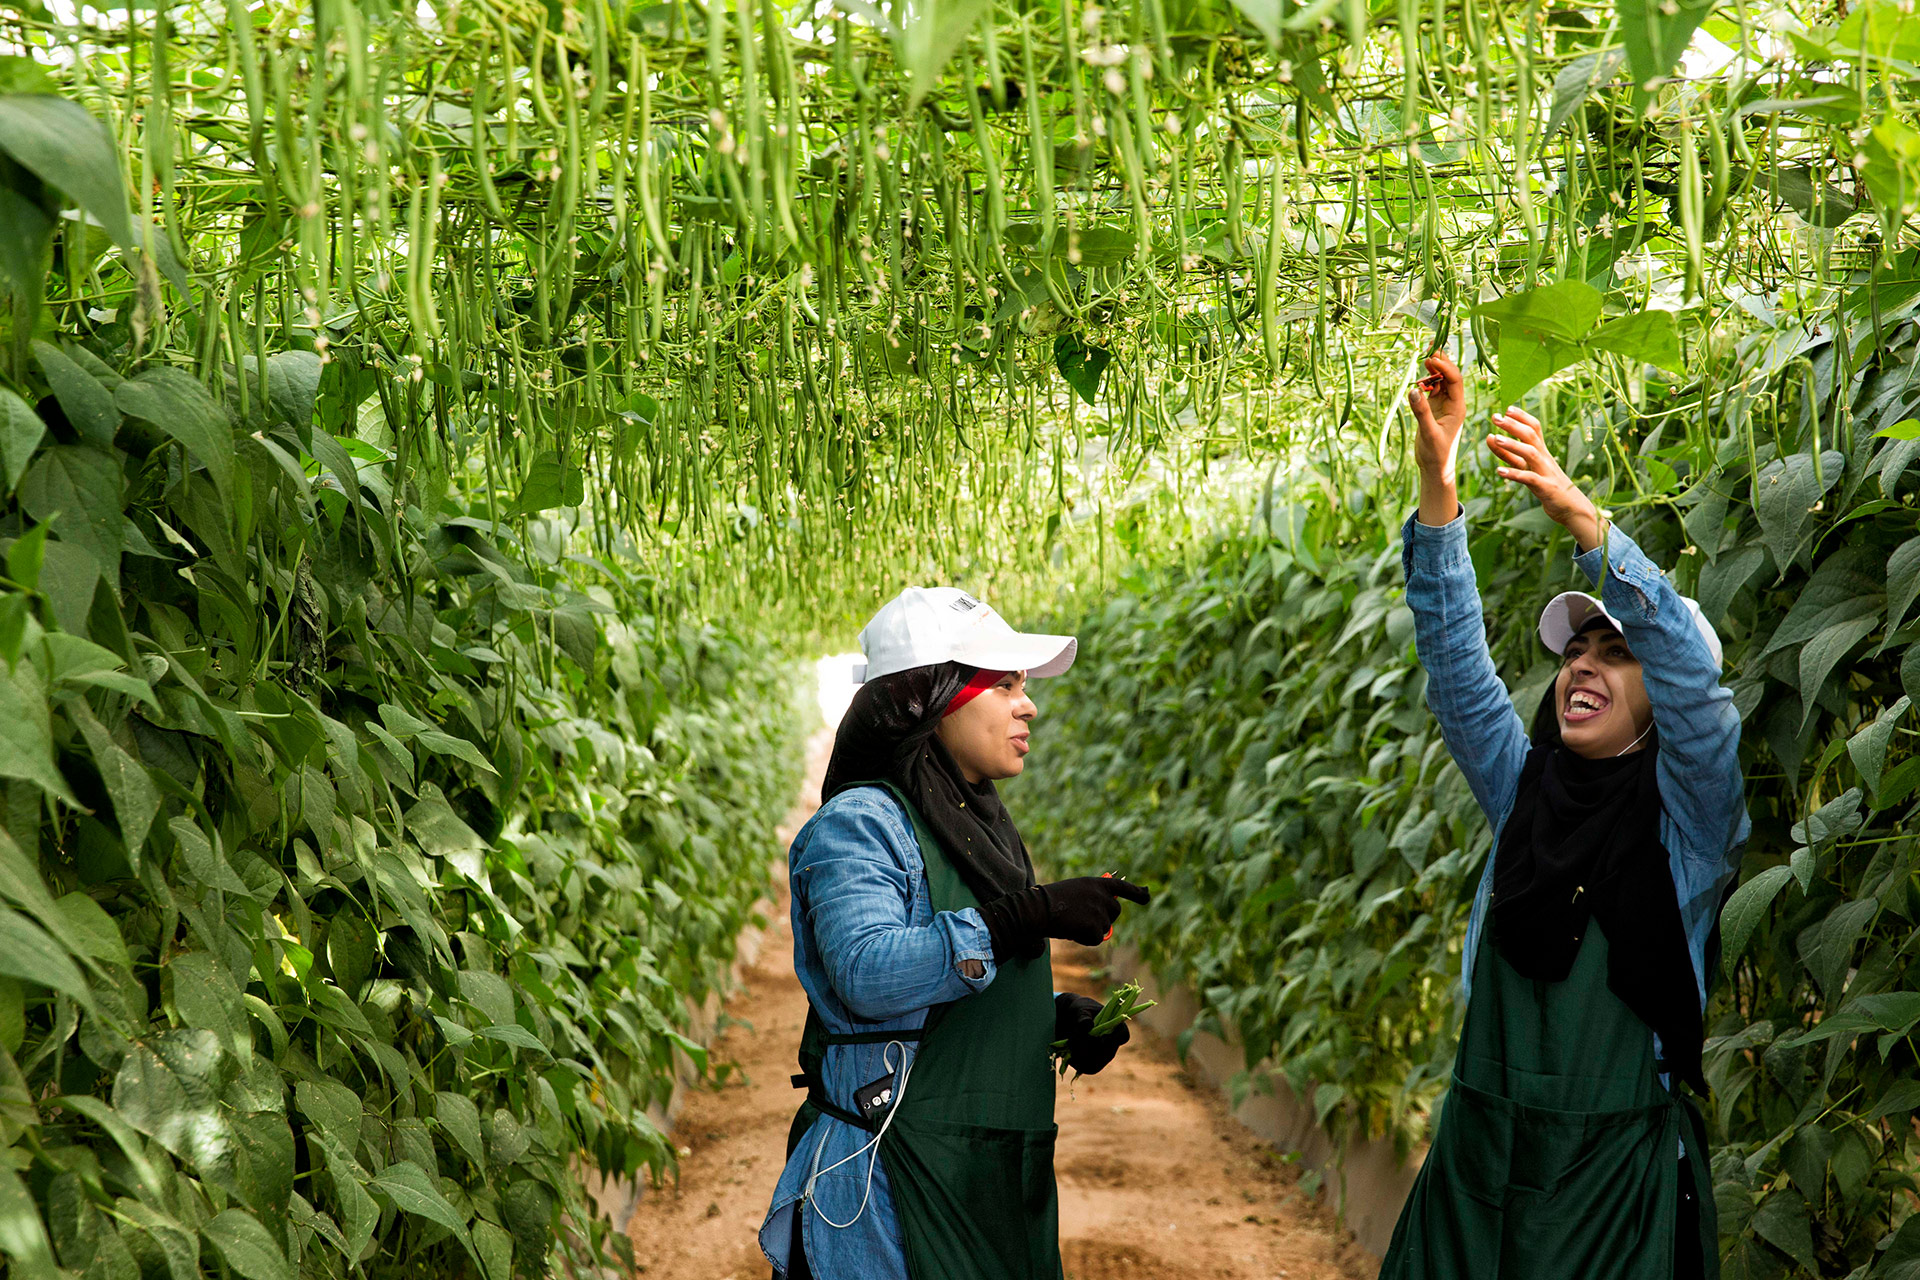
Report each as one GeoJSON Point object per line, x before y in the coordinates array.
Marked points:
{"type": "Point", "coordinates": [1585, 704]}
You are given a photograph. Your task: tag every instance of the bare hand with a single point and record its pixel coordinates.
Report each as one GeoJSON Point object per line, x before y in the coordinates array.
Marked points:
{"type": "Point", "coordinates": [1439, 404]}
{"type": "Point", "coordinates": [1523, 448]}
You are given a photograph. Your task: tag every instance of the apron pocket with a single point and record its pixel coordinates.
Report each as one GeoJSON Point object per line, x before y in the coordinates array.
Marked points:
{"type": "Point", "coordinates": [975, 1203]}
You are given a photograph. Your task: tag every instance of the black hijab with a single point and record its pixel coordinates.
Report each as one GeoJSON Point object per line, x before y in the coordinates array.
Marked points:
{"type": "Point", "coordinates": [1583, 842]}
{"type": "Point", "coordinates": [888, 736]}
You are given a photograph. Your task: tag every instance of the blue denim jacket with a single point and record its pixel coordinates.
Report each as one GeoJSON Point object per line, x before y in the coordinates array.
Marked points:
{"type": "Point", "coordinates": [1703, 818]}
{"type": "Point", "coordinates": [873, 955]}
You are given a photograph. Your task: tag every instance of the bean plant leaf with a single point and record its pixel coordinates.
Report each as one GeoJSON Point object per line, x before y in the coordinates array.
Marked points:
{"type": "Point", "coordinates": [1648, 336]}
{"type": "Point", "coordinates": [550, 483]}
{"type": "Point", "coordinates": [1822, 653]}
{"type": "Point", "coordinates": [1080, 364]}
{"type": "Point", "coordinates": [91, 931]}
{"type": "Point", "coordinates": [88, 405]}
{"type": "Point", "coordinates": [1868, 748]}
{"type": "Point", "coordinates": [1784, 493]}
{"type": "Point", "coordinates": [136, 800]}
{"type": "Point", "coordinates": [21, 431]}
{"type": "Point", "coordinates": [63, 146]}
{"type": "Point", "coordinates": [176, 403]}
{"type": "Point", "coordinates": [1577, 81]}
{"type": "Point", "coordinates": [77, 489]}
{"type": "Point", "coordinates": [460, 1120]}
{"type": "Point", "coordinates": [413, 1191]}
{"type": "Point", "coordinates": [27, 952]}
{"type": "Point", "coordinates": [1745, 909]}
{"type": "Point", "coordinates": [1656, 34]}
{"type": "Point", "coordinates": [1826, 948]}
{"type": "Point", "coordinates": [23, 1237]}
{"type": "Point", "coordinates": [930, 32]}
{"type": "Point", "coordinates": [1782, 1222]}
{"type": "Point", "coordinates": [246, 1246]}
{"type": "Point", "coordinates": [26, 733]}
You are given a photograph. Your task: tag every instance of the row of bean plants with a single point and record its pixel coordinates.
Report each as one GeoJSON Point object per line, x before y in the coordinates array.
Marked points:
{"type": "Point", "coordinates": [363, 837]}
{"type": "Point", "coordinates": [1246, 731]}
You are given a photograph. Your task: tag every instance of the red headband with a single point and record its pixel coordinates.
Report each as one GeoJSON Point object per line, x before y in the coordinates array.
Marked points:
{"type": "Point", "coordinates": [981, 682]}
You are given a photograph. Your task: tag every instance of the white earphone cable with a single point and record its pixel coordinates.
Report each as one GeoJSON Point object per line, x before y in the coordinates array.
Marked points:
{"type": "Point", "coordinates": [905, 1073]}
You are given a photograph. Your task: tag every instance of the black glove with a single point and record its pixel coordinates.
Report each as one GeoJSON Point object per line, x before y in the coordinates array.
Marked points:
{"type": "Point", "coordinates": [1073, 1018]}
{"type": "Point", "coordinates": [1082, 910]}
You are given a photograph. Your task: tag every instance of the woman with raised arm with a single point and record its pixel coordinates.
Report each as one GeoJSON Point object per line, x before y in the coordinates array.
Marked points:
{"type": "Point", "coordinates": [1564, 1151]}
{"type": "Point", "coordinates": [924, 1150]}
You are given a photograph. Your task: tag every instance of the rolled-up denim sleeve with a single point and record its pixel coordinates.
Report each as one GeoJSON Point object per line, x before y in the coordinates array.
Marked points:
{"type": "Point", "coordinates": [1699, 765]}
{"type": "Point", "coordinates": [1482, 731]}
{"type": "Point", "coordinates": [857, 886]}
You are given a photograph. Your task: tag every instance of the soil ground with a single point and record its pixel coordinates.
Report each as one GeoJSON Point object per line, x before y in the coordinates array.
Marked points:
{"type": "Point", "coordinates": [1157, 1181]}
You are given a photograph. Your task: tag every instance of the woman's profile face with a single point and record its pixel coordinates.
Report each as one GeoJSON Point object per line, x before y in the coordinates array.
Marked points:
{"type": "Point", "coordinates": [1600, 696]}
{"type": "Point", "coordinates": [988, 736]}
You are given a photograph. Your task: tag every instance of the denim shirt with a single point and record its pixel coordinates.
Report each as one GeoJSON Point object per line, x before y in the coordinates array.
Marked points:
{"type": "Point", "coordinates": [873, 955]}
{"type": "Point", "coordinates": [1703, 813]}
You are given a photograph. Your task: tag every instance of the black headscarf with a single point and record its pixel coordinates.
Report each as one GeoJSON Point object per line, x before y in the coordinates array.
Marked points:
{"type": "Point", "coordinates": [1583, 842]}
{"type": "Point", "coordinates": [888, 736]}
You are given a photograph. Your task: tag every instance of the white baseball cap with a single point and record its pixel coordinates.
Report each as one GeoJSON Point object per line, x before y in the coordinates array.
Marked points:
{"type": "Point", "coordinates": [1570, 611]}
{"type": "Point", "coordinates": [923, 626]}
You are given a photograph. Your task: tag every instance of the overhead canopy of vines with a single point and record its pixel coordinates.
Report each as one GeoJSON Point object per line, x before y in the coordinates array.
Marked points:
{"type": "Point", "coordinates": [765, 280]}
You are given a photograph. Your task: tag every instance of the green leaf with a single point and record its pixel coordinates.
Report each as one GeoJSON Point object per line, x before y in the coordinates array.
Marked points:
{"type": "Point", "coordinates": [87, 404]}
{"type": "Point", "coordinates": [495, 1247]}
{"type": "Point", "coordinates": [1783, 1223]}
{"type": "Point", "coordinates": [60, 144]}
{"type": "Point", "coordinates": [446, 744]}
{"type": "Point", "coordinates": [175, 402]}
{"type": "Point", "coordinates": [1868, 748]}
{"type": "Point", "coordinates": [246, 1246]}
{"type": "Point", "coordinates": [1784, 493]}
{"type": "Point", "coordinates": [26, 734]}
{"type": "Point", "coordinates": [332, 1107]}
{"type": "Point", "coordinates": [930, 32]}
{"type": "Point", "coordinates": [1826, 948]}
{"type": "Point", "coordinates": [351, 943]}
{"type": "Point", "coordinates": [1892, 170]}
{"type": "Point", "coordinates": [23, 1236]}
{"type": "Point", "coordinates": [1080, 364]}
{"type": "Point", "coordinates": [1656, 33]}
{"type": "Point", "coordinates": [28, 953]}
{"type": "Point", "coordinates": [169, 1089]}
{"type": "Point", "coordinates": [459, 1118]}
{"type": "Point", "coordinates": [136, 800]}
{"type": "Point", "coordinates": [124, 1136]}
{"type": "Point", "coordinates": [20, 434]}
{"type": "Point", "coordinates": [1540, 332]}
{"type": "Point", "coordinates": [206, 997]}
{"type": "Point", "coordinates": [1905, 429]}
{"type": "Point", "coordinates": [1649, 336]}
{"type": "Point", "coordinates": [1722, 580]}
{"type": "Point", "coordinates": [92, 929]}
{"type": "Point", "coordinates": [550, 483]}
{"type": "Point", "coordinates": [1566, 309]}
{"type": "Point", "coordinates": [1745, 909]}
{"type": "Point", "coordinates": [78, 490]}
{"type": "Point", "coordinates": [293, 384]}
{"type": "Point", "coordinates": [1578, 80]}
{"type": "Point", "coordinates": [1904, 1096]}
{"type": "Point", "coordinates": [412, 1191]}
{"type": "Point", "coordinates": [1824, 651]}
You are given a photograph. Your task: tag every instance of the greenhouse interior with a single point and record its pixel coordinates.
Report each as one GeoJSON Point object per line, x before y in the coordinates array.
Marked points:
{"type": "Point", "coordinates": [538, 537]}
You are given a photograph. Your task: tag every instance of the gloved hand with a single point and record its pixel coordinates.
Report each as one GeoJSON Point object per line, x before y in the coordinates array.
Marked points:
{"type": "Point", "coordinates": [1081, 910]}
{"type": "Point", "coordinates": [1073, 1018]}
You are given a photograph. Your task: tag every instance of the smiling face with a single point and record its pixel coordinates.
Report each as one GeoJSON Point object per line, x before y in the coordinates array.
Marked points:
{"type": "Point", "coordinates": [988, 736]}
{"type": "Point", "coordinates": [1600, 696]}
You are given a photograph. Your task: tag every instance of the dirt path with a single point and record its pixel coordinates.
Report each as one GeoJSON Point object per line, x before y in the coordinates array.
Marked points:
{"type": "Point", "coordinates": [1157, 1182]}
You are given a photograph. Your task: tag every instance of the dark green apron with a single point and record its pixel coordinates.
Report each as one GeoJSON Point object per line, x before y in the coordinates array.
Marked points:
{"type": "Point", "coordinates": [969, 1156]}
{"type": "Point", "coordinates": [1558, 1152]}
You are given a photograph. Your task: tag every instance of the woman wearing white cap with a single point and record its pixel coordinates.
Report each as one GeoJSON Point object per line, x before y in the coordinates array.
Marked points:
{"type": "Point", "coordinates": [924, 1150]}
{"type": "Point", "coordinates": [1564, 1148]}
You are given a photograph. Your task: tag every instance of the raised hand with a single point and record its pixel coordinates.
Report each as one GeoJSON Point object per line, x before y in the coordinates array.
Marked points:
{"type": "Point", "coordinates": [1439, 405]}
{"type": "Point", "coordinates": [1523, 448]}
